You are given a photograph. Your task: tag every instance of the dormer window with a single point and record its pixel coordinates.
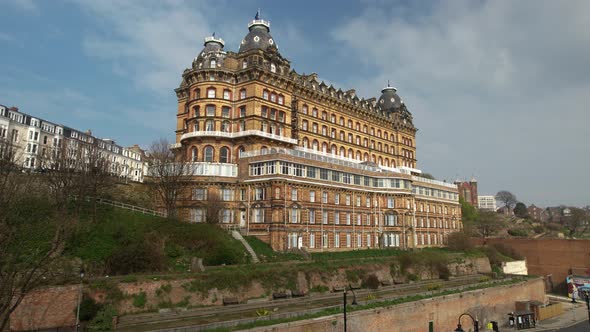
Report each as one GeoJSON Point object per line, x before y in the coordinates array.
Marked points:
{"type": "Point", "coordinates": [273, 68]}
{"type": "Point", "coordinates": [213, 63]}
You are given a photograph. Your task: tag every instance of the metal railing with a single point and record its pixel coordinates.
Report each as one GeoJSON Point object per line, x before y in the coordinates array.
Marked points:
{"type": "Point", "coordinates": [130, 207]}
{"type": "Point", "coordinates": [195, 168]}
{"type": "Point", "coordinates": [436, 182]}
{"type": "Point", "coordinates": [238, 134]}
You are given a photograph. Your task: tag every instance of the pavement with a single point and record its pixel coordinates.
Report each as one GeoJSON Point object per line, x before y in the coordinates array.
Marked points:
{"type": "Point", "coordinates": [573, 319]}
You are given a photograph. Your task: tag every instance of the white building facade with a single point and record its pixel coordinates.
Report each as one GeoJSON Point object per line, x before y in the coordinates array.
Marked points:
{"type": "Point", "coordinates": [487, 203]}
{"type": "Point", "coordinates": [33, 138]}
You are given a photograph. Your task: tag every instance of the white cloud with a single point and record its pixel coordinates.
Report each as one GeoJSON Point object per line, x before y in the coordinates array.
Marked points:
{"type": "Point", "coordinates": [497, 88]}
{"type": "Point", "coordinates": [152, 40]}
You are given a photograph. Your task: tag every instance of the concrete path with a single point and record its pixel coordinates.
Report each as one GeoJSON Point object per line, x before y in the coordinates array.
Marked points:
{"type": "Point", "coordinates": [240, 238]}
{"type": "Point", "coordinates": [572, 314]}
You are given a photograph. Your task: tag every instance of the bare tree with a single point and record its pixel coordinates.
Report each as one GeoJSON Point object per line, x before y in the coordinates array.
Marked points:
{"type": "Point", "coordinates": [98, 173]}
{"type": "Point", "coordinates": [214, 207]}
{"type": "Point", "coordinates": [507, 198]}
{"type": "Point", "coordinates": [31, 232]}
{"type": "Point", "coordinates": [577, 222]}
{"type": "Point", "coordinates": [167, 174]}
{"type": "Point", "coordinates": [488, 223]}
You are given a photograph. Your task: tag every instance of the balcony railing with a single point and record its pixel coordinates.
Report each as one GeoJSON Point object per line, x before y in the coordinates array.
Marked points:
{"type": "Point", "coordinates": [198, 169]}
{"type": "Point", "coordinates": [238, 134]}
{"type": "Point", "coordinates": [435, 182]}
{"type": "Point", "coordinates": [317, 156]}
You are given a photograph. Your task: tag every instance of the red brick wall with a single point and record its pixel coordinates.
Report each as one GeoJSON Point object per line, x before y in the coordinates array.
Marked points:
{"type": "Point", "coordinates": [46, 308]}
{"type": "Point", "coordinates": [551, 256]}
{"type": "Point", "coordinates": [487, 304]}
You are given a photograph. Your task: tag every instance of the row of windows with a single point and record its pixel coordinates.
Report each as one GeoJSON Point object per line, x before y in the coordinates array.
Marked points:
{"type": "Point", "coordinates": [349, 153]}
{"type": "Point", "coordinates": [273, 97]}
{"type": "Point", "coordinates": [365, 129]}
{"type": "Point", "coordinates": [208, 154]}
{"type": "Point", "coordinates": [212, 93]}
{"type": "Point", "coordinates": [350, 138]}
{"type": "Point", "coordinates": [437, 193]}
{"type": "Point", "coordinates": [281, 167]}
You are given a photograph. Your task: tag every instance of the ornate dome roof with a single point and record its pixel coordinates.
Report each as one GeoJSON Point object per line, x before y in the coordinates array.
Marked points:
{"type": "Point", "coordinates": [259, 36]}
{"type": "Point", "coordinates": [212, 53]}
{"type": "Point", "coordinates": [389, 100]}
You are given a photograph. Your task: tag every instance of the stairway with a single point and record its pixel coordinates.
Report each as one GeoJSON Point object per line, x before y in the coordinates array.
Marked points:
{"type": "Point", "coordinates": [236, 235]}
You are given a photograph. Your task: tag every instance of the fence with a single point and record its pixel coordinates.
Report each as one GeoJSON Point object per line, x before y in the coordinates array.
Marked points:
{"type": "Point", "coordinates": [130, 207]}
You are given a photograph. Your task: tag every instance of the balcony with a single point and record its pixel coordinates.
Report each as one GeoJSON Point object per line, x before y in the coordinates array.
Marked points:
{"type": "Point", "coordinates": [199, 169]}
{"type": "Point", "coordinates": [238, 135]}
{"type": "Point", "coordinates": [435, 182]}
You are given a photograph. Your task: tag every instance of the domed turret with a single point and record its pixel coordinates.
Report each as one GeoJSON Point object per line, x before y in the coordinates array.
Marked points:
{"type": "Point", "coordinates": [259, 36]}
{"type": "Point", "coordinates": [212, 55]}
{"type": "Point", "coordinates": [389, 100]}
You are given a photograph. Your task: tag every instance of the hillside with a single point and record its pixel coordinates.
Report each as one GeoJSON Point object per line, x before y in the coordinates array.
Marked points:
{"type": "Point", "coordinates": [123, 242]}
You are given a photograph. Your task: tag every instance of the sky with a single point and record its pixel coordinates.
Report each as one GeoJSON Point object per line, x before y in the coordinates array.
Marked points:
{"type": "Point", "coordinates": [498, 89]}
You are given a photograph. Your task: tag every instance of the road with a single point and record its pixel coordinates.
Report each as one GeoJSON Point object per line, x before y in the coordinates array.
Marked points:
{"type": "Point", "coordinates": [580, 327]}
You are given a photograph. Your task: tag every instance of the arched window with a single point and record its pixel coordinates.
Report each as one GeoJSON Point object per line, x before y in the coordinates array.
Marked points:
{"type": "Point", "coordinates": [341, 121]}
{"type": "Point", "coordinates": [365, 129]}
{"type": "Point", "coordinates": [243, 94]}
{"type": "Point", "coordinates": [358, 155]}
{"type": "Point", "coordinates": [263, 150]}
{"type": "Point", "coordinates": [385, 135]}
{"type": "Point", "coordinates": [224, 155]}
{"type": "Point", "coordinates": [197, 93]}
{"type": "Point", "coordinates": [210, 125]}
{"type": "Point", "coordinates": [324, 147]}
{"type": "Point", "coordinates": [304, 109]}
{"type": "Point", "coordinates": [386, 162]}
{"type": "Point", "coordinates": [213, 63]}
{"type": "Point", "coordinates": [208, 154]}
{"type": "Point", "coordinates": [211, 92]}
{"type": "Point", "coordinates": [315, 145]}
{"type": "Point", "coordinates": [194, 154]}
{"type": "Point", "coordinates": [196, 111]}
{"type": "Point", "coordinates": [333, 149]}
{"type": "Point", "coordinates": [342, 152]}
{"type": "Point", "coordinates": [240, 151]}
{"type": "Point", "coordinates": [380, 161]}
{"type": "Point", "coordinates": [366, 157]}
{"type": "Point", "coordinates": [358, 126]}
{"type": "Point", "coordinates": [305, 142]}
{"type": "Point", "coordinates": [350, 154]}
{"type": "Point", "coordinates": [196, 126]}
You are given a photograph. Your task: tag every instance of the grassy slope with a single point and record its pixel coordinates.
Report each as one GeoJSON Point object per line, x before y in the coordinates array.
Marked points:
{"type": "Point", "coordinates": [117, 229]}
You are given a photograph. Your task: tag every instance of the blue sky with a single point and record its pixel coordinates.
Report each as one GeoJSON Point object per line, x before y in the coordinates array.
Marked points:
{"type": "Point", "coordinates": [498, 89]}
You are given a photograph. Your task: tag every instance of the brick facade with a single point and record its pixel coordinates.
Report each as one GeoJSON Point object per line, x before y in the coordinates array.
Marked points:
{"type": "Point", "coordinates": [299, 163]}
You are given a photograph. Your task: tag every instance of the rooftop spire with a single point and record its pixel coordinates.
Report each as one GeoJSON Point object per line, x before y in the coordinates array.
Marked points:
{"type": "Point", "coordinates": [259, 22]}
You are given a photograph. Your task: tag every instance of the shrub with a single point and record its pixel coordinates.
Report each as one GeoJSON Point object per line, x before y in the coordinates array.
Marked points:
{"type": "Point", "coordinates": [460, 241]}
{"type": "Point", "coordinates": [553, 227]}
{"type": "Point", "coordinates": [539, 229]}
{"type": "Point", "coordinates": [104, 319]}
{"type": "Point", "coordinates": [443, 271]}
{"type": "Point", "coordinates": [139, 300]}
{"type": "Point", "coordinates": [134, 258]}
{"type": "Point", "coordinates": [518, 232]}
{"type": "Point", "coordinates": [371, 282]}
{"type": "Point", "coordinates": [319, 289]}
{"type": "Point", "coordinates": [88, 309]}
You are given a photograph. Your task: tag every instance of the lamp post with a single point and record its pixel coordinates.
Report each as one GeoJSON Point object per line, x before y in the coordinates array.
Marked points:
{"type": "Point", "coordinates": [79, 299]}
{"type": "Point", "coordinates": [353, 303]}
{"type": "Point", "coordinates": [587, 296]}
{"type": "Point", "coordinates": [475, 323]}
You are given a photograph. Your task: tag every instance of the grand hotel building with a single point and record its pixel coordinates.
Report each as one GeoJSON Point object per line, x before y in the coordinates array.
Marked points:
{"type": "Point", "coordinates": [299, 163]}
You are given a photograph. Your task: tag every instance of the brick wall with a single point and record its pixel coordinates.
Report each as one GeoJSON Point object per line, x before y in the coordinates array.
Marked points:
{"type": "Point", "coordinates": [487, 304]}
{"type": "Point", "coordinates": [551, 256]}
{"type": "Point", "coordinates": [46, 308]}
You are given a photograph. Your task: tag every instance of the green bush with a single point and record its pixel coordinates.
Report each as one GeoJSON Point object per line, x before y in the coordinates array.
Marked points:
{"type": "Point", "coordinates": [371, 282]}
{"type": "Point", "coordinates": [518, 232]}
{"type": "Point", "coordinates": [88, 309]}
{"type": "Point", "coordinates": [139, 300]}
{"type": "Point", "coordinates": [539, 229]}
{"type": "Point", "coordinates": [319, 289]}
{"type": "Point", "coordinates": [103, 321]}
{"type": "Point", "coordinates": [136, 258]}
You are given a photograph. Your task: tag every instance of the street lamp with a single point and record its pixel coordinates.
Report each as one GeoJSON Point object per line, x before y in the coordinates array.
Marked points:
{"type": "Point", "coordinates": [79, 299]}
{"type": "Point", "coordinates": [475, 323]}
{"type": "Point", "coordinates": [353, 303]}
{"type": "Point", "coordinates": [587, 296]}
